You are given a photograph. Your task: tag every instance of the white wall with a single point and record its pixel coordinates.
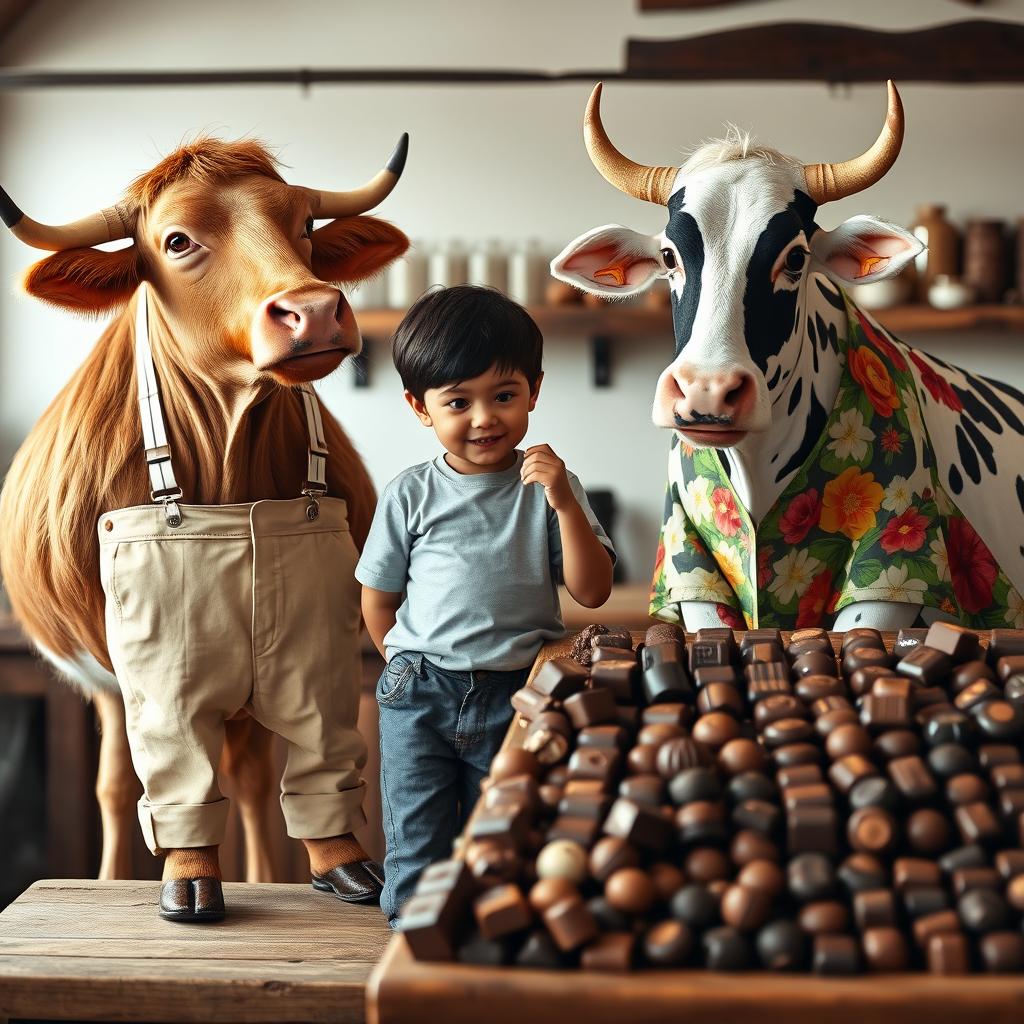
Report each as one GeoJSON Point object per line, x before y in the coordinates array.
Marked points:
{"type": "Point", "coordinates": [500, 161]}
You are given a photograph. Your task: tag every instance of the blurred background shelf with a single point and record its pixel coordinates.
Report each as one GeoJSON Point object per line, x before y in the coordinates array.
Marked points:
{"type": "Point", "coordinates": [618, 319]}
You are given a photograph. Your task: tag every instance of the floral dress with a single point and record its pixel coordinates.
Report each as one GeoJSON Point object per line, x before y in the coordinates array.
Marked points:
{"type": "Point", "coordinates": [864, 519]}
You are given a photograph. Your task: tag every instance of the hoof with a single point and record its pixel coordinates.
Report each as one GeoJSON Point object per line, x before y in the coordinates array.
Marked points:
{"type": "Point", "coordinates": [360, 882]}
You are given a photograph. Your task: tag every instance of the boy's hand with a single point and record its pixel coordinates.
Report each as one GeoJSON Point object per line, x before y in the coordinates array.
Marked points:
{"type": "Point", "coordinates": [543, 466]}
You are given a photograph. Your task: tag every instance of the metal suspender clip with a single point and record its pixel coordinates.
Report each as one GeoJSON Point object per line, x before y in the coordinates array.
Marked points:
{"type": "Point", "coordinates": [315, 484]}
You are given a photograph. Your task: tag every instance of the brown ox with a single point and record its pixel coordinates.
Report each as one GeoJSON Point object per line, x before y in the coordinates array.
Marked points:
{"type": "Point", "coordinates": [242, 305]}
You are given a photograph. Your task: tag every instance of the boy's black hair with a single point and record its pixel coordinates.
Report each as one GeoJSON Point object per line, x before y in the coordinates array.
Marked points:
{"type": "Point", "coordinates": [453, 334]}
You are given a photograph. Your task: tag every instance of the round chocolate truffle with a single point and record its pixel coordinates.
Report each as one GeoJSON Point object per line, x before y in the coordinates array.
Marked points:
{"type": "Point", "coordinates": [562, 858]}
{"type": "Point", "coordinates": [782, 946]}
{"type": "Point", "coordinates": [810, 877]}
{"type": "Point", "coordinates": [610, 854]}
{"type": "Point", "coordinates": [548, 891]}
{"type": "Point", "coordinates": [765, 875]}
{"type": "Point", "coordinates": [715, 729]}
{"type": "Point", "coordinates": [514, 761]}
{"type": "Point", "coordinates": [668, 944]}
{"type": "Point", "coordinates": [667, 880]}
{"type": "Point", "coordinates": [696, 906]}
{"type": "Point", "coordinates": [928, 832]}
{"type": "Point", "coordinates": [694, 784]}
{"type": "Point", "coordinates": [848, 739]}
{"type": "Point", "coordinates": [706, 864]}
{"type": "Point", "coordinates": [726, 949]}
{"type": "Point", "coordinates": [742, 755]}
{"type": "Point", "coordinates": [745, 908]}
{"type": "Point", "coordinates": [630, 890]}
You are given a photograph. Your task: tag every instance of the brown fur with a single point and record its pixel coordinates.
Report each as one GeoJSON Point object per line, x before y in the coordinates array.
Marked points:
{"type": "Point", "coordinates": [84, 456]}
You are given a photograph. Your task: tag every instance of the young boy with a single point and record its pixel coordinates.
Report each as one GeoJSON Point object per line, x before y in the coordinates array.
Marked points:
{"type": "Point", "coordinates": [460, 569]}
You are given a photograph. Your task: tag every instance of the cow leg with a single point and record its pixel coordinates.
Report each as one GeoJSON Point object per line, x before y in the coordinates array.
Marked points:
{"type": "Point", "coordinates": [117, 788]}
{"type": "Point", "coordinates": [247, 762]}
{"type": "Point", "coordinates": [877, 615]}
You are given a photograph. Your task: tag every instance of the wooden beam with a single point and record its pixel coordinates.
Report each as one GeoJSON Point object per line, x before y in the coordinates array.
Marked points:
{"type": "Point", "coordinates": [967, 51]}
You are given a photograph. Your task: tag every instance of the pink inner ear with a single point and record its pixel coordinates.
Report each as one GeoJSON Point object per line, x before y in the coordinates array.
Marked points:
{"type": "Point", "coordinates": [610, 266]}
{"type": "Point", "coordinates": [864, 255]}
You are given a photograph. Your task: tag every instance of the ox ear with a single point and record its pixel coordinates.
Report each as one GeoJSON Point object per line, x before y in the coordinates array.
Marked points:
{"type": "Point", "coordinates": [354, 248]}
{"type": "Point", "coordinates": [611, 261]}
{"type": "Point", "coordinates": [864, 249]}
{"type": "Point", "coordinates": [89, 281]}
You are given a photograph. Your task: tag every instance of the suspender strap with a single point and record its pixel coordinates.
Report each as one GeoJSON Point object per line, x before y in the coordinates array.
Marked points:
{"type": "Point", "coordinates": [163, 486]}
{"type": "Point", "coordinates": [315, 484]}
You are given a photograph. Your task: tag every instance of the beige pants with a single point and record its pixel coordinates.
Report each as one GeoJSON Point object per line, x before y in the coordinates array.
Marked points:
{"type": "Point", "coordinates": [242, 606]}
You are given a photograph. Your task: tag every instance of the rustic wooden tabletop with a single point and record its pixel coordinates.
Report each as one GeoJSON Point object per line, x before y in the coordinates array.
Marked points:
{"type": "Point", "coordinates": [86, 950]}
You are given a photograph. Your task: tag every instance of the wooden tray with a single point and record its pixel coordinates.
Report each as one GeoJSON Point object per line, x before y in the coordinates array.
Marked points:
{"type": "Point", "coordinates": [402, 989]}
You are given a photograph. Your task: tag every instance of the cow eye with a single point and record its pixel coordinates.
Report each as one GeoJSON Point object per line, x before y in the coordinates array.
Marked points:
{"type": "Point", "coordinates": [669, 258]}
{"type": "Point", "coordinates": [178, 244]}
{"type": "Point", "coordinates": [795, 259]}
{"type": "Point", "coordinates": [308, 233]}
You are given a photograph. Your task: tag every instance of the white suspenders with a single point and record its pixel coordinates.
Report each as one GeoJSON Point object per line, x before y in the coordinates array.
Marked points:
{"type": "Point", "coordinates": [163, 486]}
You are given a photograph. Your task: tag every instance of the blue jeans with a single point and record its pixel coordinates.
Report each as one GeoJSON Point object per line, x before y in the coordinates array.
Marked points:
{"type": "Point", "coordinates": [439, 731]}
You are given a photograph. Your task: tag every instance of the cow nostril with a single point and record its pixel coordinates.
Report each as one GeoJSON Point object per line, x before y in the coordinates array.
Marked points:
{"type": "Point", "coordinates": [283, 315]}
{"type": "Point", "coordinates": [734, 396]}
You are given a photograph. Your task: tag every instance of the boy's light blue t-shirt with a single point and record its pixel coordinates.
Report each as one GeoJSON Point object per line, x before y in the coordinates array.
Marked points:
{"type": "Point", "coordinates": [478, 556]}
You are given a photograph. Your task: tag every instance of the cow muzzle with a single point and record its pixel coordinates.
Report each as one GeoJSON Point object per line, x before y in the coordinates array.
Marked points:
{"type": "Point", "coordinates": [710, 409]}
{"type": "Point", "coordinates": [303, 334]}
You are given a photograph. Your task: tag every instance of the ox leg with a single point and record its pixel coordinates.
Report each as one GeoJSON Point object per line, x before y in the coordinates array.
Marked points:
{"type": "Point", "coordinates": [877, 615]}
{"type": "Point", "coordinates": [247, 762]}
{"type": "Point", "coordinates": [117, 787]}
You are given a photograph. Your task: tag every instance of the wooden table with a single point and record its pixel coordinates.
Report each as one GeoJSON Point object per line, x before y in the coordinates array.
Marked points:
{"type": "Point", "coordinates": [403, 990]}
{"type": "Point", "coordinates": [84, 950]}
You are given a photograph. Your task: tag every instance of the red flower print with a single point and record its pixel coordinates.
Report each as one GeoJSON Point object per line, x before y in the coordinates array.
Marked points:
{"type": "Point", "coordinates": [727, 518]}
{"type": "Point", "coordinates": [764, 566]}
{"type": "Point", "coordinates": [815, 601]}
{"type": "Point", "coordinates": [938, 387]}
{"type": "Point", "coordinates": [730, 617]}
{"type": "Point", "coordinates": [971, 566]}
{"type": "Point", "coordinates": [881, 342]}
{"type": "Point", "coordinates": [891, 441]}
{"type": "Point", "coordinates": [803, 513]}
{"type": "Point", "coordinates": [905, 532]}
{"type": "Point", "coordinates": [659, 558]}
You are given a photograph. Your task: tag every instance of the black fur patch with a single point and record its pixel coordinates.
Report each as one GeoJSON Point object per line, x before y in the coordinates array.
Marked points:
{"type": "Point", "coordinates": [817, 417]}
{"type": "Point", "coordinates": [981, 442]}
{"type": "Point", "coordinates": [682, 229]}
{"type": "Point", "coordinates": [956, 481]}
{"type": "Point", "coordinates": [968, 456]}
{"type": "Point", "coordinates": [1010, 418]}
{"type": "Point", "coordinates": [794, 398]}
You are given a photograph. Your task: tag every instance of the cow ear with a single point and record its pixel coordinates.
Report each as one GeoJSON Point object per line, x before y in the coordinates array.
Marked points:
{"type": "Point", "coordinates": [354, 248]}
{"type": "Point", "coordinates": [89, 281]}
{"type": "Point", "coordinates": [611, 261]}
{"type": "Point", "coordinates": [864, 249]}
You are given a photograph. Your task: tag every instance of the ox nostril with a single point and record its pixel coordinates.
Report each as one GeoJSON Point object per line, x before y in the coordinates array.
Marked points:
{"type": "Point", "coordinates": [736, 397]}
{"type": "Point", "coordinates": [290, 318]}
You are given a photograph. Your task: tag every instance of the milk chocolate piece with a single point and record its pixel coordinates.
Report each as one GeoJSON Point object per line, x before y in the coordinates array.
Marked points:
{"type": "Point", "coordinates": [824, 917]}
{"type": "Point", "coordinates": [787, 730]}
{"type": "Point", "coordinates": [1002, 952]}
{"type": "Point", "coordinates": [777, 707]}
{"type": "Point", "coordinates": [549, 891]}
{"type": "Point", "coordinates": [872, 830]}
{"type": "Point", "coordinates": [875, 908]}
{"type": "Point", "coordinates": [630, 890]}
{"type": "Point", "coordinates": [897, 743]}
{"type": "Point", "coordinates": [1015, 892]}
{"type": "Point", "coordinates": [965, 879]}
{"type": "Point", "coordinates": [928, 832]}
{"type": "Point", "coordinates": [745, 908]}
{"type": "Point", "coordinates": [748, 845]}
{"type": "Point", "coordinates": [773, 672]}
{"type": "Point", "coordinates": [641, 826]}
{"type": "Point", "coordinates": [848, 771]}
{"type": "Point", "coordinates": [857, 658]}
{"type": "Point", "coordinates": [813, 638]}
{"type": "Point", "coordinates": [492, 864]}
{"type": "Point", "coordinates": [720, 697]}
{"type": "Point", "coordinates": [959, 643]}
{"type": "Point", "coordinates": [449, 876]}
{"type": "Point", "coordinates": [559, 678]}
{"type": "Point", "coordinates": [585, 805]}
{"type": "Point", "coordinates": [659, 732]}
{"type": "Point", "coordinates": [977, 823]}
{"type": "Point", "coordinates": [740, 756]}
{"type": "Point", "coordinates": [1010, 864]}
{"type": "Point", "coordinates": [511, 821]}
{"type": "Point", "coordinates": [599, 763]}
{"type": "Point", "coordinates": [570, 924]}
{"type": "Point", "coordinates": [862, 636]}
{"type": "Point", "coordinates": [948, 953]}
{"type": "Point", "coordinates": [814, 663]}
{"type": "Point", "coordinates": [501, 911]}
{"type": "Point", "coordinates": [910, 872]}
{"type": "Point", "coordinates": [884, 712]}
{"type": "Point", "coordinates": [912, 778]}
{"type": "Point", "coordinates": [726, 949]}
{"type": "Point", "coordinates": [619, 676]}
{"type": "Point", "coordinates": [433, 923]}
{"type": "Point", "coordinates": [811, 689]}
{"type": "Point", "coordinates": [530, 702]}
{"type": "Point", "coordinates": [707, 864]}
{"type": "Point", "coordinates": [976, 693]}
{"type": "Point", "coordinates": [885, 949]}
{"type": "Point", "coordinates": [610, 737]}
{"type": "Point", "coordinates": [970, 672]}
{"type": "Point", "coordinates": [590, 707]}
{"type": "Point", "coordinates": [676, 755]}
{"type": "Point", "coordinates": [716, 729]}
{"type": "Point", "coordinates": [1004, 772]}
{"type": "Point", "coordinates": [643, 759]}
{"type": "Point", "coordinates": [700, 823]}
{"type": "Point", "coordinates": [513, 789]}
{"type": "Point", "coordinates": [610, 653]}
{"type": "Point", "coordinates": [668, 714]}
{"type": "Point", "coordinates": [796, 753]}
{"type": "Point", "coordinates": [668, 944]}
{"type": "Point", "coordinates": [782, 946]}
{"type": "Point", "coordinates": [798, 775]}
{"type": "Point", "coordinates": [762, 653]}
{"type": "Point", "coordinates": [836, 955]}
{"type": "Point", "coordinates": [966, 789]}
{"type": "Point", "coordinates": [549, 737]}
{"type": "Point", "coordinates": [764, 875]}
{"type": "Point", "coordinates": [647, 790]}
{"type": "Point", "coordinates": [610, 854]}
{"type": "Point", "coordinates": [813, 794]}
{"type": "Point", "coordinates": [925, 665]}
{"type": "Point", "coordinates": [667, 879]}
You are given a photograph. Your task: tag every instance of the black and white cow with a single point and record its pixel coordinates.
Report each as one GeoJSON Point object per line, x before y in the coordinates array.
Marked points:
{"type": "Point", "coordinates": [755, 287]}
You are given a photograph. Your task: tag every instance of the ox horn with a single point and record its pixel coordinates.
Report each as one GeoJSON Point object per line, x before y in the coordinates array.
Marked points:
{"type": "Point", "coordinates": [105, 226]}
{"type": "Point", "coordinates": [377, 189]}
{"type": "Point", "coordinates": [828, 182]}
{"type": "Point", "coordinates": [653, 184]}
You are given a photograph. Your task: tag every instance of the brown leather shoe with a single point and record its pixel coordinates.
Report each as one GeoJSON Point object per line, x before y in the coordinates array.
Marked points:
{"type": "Point", "coordinates": [359, 882]}
{"type": "Point", "coordinates": [192, 900]}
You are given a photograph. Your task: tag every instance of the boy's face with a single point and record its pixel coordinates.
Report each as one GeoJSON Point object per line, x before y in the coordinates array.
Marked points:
{"type": "Point", "coordinates": [481, 420]}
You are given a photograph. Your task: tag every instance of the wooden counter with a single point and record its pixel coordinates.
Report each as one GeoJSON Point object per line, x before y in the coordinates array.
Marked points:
{"type": "Point", "coordinates": [84, 950]}
{"type": "Point", "coordinates": [402, 990]}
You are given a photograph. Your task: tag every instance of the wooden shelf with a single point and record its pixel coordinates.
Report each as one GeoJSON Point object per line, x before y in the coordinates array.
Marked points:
{"type": "Point", "coordinates": [615, 319]}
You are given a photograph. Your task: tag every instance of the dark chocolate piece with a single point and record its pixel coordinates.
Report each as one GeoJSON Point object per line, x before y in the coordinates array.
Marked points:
{"type": "Point", "coordinates": [726, 949]}
{"type": "Point", "coordinates": [948, 953]}
{"type": "Point", "coordinates": [912, 779]}
{"type": "Point", "coordinates": [648, 790]}
{"type": "Point", "coordinates": [836, 955]}
{"type": "Point", "coordinates": [1002, 952]}
{"type": "Point", "coordinates": [595, 706]}
{"type": "Point", "coordinates": [559, 678]}
{"type": "Point", "coordinates": [810, 877]}
{"type": "Point", "coordinates": [983, 910]}
{"type": "Point", "coordinates": [861, 872]}
{"type": "Point", "coordinates": [925, 665]}
{"type": "Point", "coordinates": [782, 946]}
{"type": "Point", "coordinates": [929, 899]}
{"type": "Point", "coordinates": [928, 832]}
{"type": "Point", "coordinates": [824, 917]}
{"type": "Point", "coordinates": [484, 952]}
{"type": "Point", "coordinates": [885, 949]}
{"type": "Point", "coordinates": [639, 825]}
{"type": "Point", "coordinates": [570, 923]}
{"type": "Point", "coordinates": [539, 950]}
{"type": "Point", "coordinates": [501, 911]}
{"type": "Point", "coordinates": [694, 905]}
{"type": "Point", "coordinates": [874, 908]}
{"type": "Point", "coordinates": [692, 784]}
{"type": "Point", "coordinates": [668, 944]}
{"type": "Point", "coordinates": [959, 643]}
{"type": "Point", "coordinates": [872, 830]}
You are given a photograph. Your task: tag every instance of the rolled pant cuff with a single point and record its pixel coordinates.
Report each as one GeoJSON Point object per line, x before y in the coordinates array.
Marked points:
{"type": "Point", "coordinates": [323, 815]}
{"type": "Point", "coordinates": [183, 826]}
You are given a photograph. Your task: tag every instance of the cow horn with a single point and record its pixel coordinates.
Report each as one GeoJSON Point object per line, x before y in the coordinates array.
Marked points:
{"type": "Point", "coordinates": [377, 189]}
{"type": "Point", "coordinates": [653, 184]}
{"type": "Point", "coordinates": [828, 182]}
{"type": "Point", "coordinates": [105, 226]}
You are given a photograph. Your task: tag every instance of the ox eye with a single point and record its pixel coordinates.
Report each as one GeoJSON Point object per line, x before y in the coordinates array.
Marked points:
{"type": "Point", "coordinates": [669, 258]}
{"type": "Point", "coordinates": [308, 233]}
{"type": "Point", "coordinates": [795, 259]}
{"type": "Point", "coordinates": [178, 244]}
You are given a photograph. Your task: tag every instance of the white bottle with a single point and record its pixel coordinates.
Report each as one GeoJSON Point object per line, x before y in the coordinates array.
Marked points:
{"type": "Point", "coordinates": [449, 265]}
{"type": "Point", "coordinates": [488, 267]}
{"type": "Point", "coordinates": [369, 294]}
{"type": "Point", "coordinates": [407, 279]}
{"type": "Point", "coordinates": [527, 271]}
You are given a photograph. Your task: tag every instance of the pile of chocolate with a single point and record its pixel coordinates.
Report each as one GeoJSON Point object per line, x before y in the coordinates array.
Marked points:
{"type": "Point", "coordinates": [736, 806]}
